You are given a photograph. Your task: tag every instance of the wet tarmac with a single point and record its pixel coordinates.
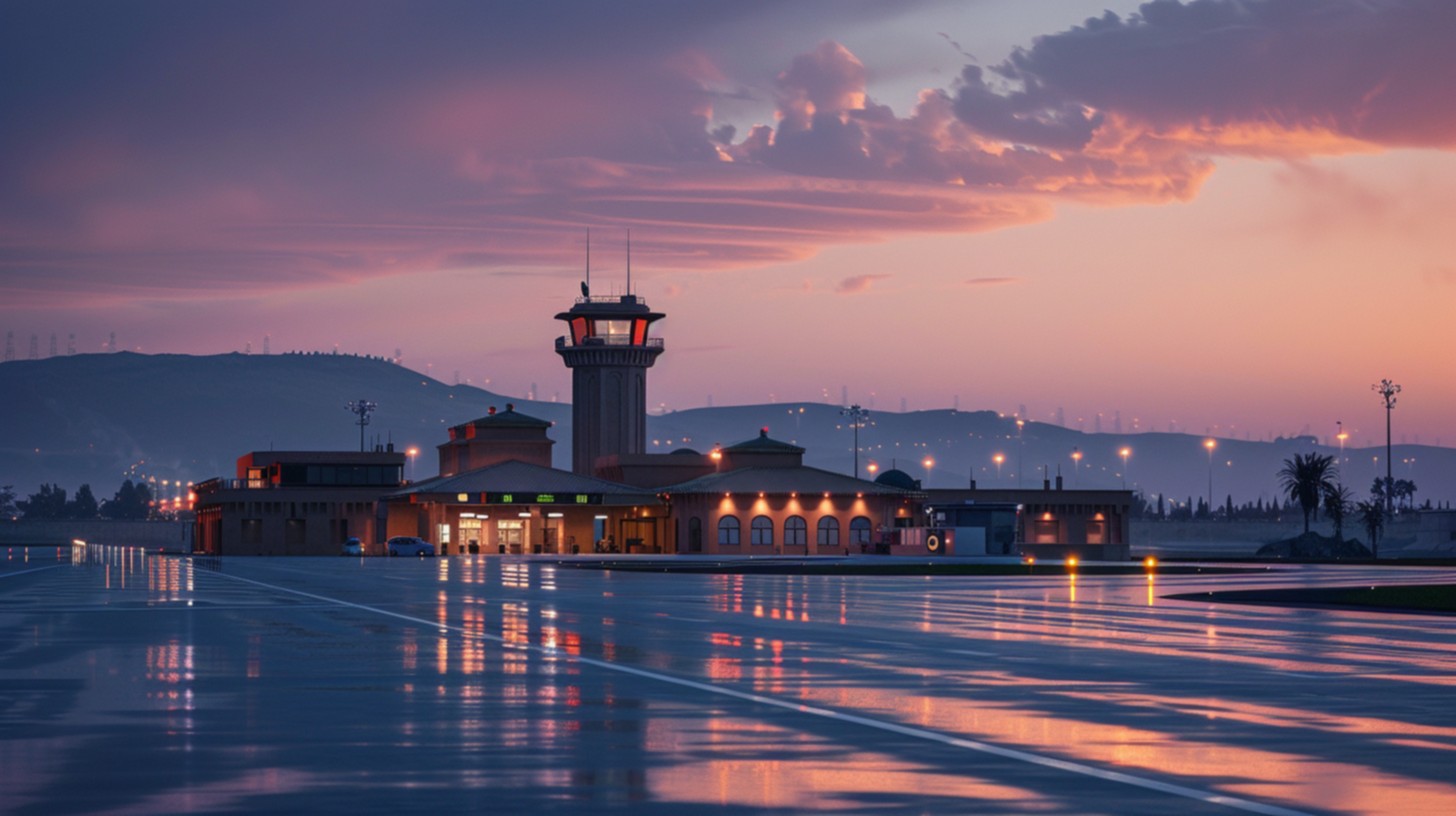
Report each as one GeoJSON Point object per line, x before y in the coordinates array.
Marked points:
{"type": "Point", "coordinates": [140, 684]}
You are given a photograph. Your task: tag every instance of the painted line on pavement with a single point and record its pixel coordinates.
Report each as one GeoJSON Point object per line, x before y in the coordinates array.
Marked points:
{"type": "Point", "coordinates": [1104, 774]}
{"type": "Point", "coordinates": [33, 569]}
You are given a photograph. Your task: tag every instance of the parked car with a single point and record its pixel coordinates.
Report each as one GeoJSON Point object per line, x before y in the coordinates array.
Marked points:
{"type": "Point", "coordinates": [353, 546]}
{"type": "Point", "coordinates": [409, 545]}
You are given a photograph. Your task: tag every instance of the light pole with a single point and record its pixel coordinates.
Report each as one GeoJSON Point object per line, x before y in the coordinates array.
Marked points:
{"type": "Point", "coordinates": [1341, 436]}
{"type": "Point", "coordinates": [999, 459]}
{"type": "Point", "coordinates": [1076, 466]}
{"type": "Point", "coordinates": [1020, 449]}
{"type": "Point", "coordinates": [857, 416]}
{"type": "Point", "coordinates": [412, 453]}
{"type": "Point", "coordinates": [1210, 444]}
{"type": "Point", "coordinates": [1387, 390]}
{"type": "Point", "coordinates": [363, 408]}
{"type": "Point", "coordinates": [929, 463]}
{"type": "Point", "coordinates": [1124, 453]}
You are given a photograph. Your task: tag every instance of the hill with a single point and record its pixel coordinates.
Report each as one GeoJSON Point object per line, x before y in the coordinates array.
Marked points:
{"type": "Point", "coordinates": [95, 418]}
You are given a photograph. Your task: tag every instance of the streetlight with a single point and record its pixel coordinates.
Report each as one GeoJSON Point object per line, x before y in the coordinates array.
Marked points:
{"type": "Point", "coordinates": [857, 416]}
{"type": "Point", "coordinates": [998, 459]}
{"type": "Point", "coordinates": [929, 463]}
{"type": "Point", "coordinates": [1124, 453]}
{"type": "Point", "coordinates": [1210, 444]}
{"type": "Point", "coordinates": [1076, 466]}
{"type": "Point", "coordinates": [717, 456]}
{"type": "Point", "coordinates": [363, 408]}
{"type": "Point", "coordinates": [1020, 449]}
{"type": "Point", "coordinates": [412, 453]}
{"type": "Point", "coordinates": [1387, 390]}
{"type": "Point", "coordinates": [1342, 436]}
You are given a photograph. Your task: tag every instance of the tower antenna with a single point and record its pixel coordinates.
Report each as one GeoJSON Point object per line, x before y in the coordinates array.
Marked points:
{"type": "Point", "coordinates": [629, 260]}
{"type": "Point", "coordinates": [586, 290]}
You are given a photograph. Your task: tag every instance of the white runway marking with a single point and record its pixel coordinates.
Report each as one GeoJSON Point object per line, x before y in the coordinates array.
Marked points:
{"type": "Point", "coordinates": [33, 569]}
{"type": "Point", "coordinates": [880, 725]}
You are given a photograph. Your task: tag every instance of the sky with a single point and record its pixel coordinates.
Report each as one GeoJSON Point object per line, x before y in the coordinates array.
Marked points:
{"type": "Point", "coordinates": [1215, 216]}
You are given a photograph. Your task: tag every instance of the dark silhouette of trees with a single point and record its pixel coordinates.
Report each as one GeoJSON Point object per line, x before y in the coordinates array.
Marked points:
{"type": "Point", "coordinates": [1305, 479]}
{"type": "Point", "coordinates": [1339, 502]}
{"type": "Point", "coordinates": [132, 501]}
{"type": "Point", "coordinates": [49, 503]}
{"type": "Point", "coordinates": [83, 506]}
{"type": "Point", "coordinates": [8, 510]}
{"type": "Point", "coordinates": [1372, 516]}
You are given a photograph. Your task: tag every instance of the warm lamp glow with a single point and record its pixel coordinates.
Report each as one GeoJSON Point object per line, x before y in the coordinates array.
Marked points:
{"type": "Point", "coordinates": [1210, 444]}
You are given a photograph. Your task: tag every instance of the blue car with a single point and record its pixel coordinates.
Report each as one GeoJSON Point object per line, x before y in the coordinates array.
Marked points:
{"type": "Point", "coordinates": [409, 545]}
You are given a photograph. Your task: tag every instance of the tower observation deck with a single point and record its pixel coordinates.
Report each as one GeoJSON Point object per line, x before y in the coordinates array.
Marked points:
{"type": "Point", "coordinates": [608, 352]}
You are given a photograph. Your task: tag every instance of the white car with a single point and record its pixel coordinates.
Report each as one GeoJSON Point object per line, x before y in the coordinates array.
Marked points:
{"type": "Point", "coordinates": [409, 545]}
{"type": "Point", "coordinates": [353, 546]}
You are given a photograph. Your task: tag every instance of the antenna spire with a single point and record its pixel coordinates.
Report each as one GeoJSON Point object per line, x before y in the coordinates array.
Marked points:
{"type": "Point", "coordinates": [587, 288]}
{"type": "Point", "coordinates": [629, 260]}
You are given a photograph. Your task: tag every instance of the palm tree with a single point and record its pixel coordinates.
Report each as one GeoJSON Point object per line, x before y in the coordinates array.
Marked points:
{"type": "Point", "coordinates": [1372, 515]}
{"type": "Point", "coordinates": [1306, 479]}
{"type": "Point", "coordinates": [1339, 502]}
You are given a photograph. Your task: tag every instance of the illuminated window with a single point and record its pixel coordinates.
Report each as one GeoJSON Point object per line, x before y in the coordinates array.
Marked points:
{"type": "Point", "coordinates": [1096, 532]}
{"type": "Point", "coordinates": [828, 531]}
{"type": "Point", "coordinates": [796, 532]}
{"type": "Point", "coordinates": [761, 533]}
{"type": "Point", "coordinates": [728, 531]}
{"type": "Point", "coordinates": [859, 530]}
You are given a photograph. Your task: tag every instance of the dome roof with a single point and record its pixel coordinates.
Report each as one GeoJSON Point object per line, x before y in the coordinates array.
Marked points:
{"type": "Point", "coordinates": [897, 478]}
{"type": "Point", "coordinates": [684, 452]}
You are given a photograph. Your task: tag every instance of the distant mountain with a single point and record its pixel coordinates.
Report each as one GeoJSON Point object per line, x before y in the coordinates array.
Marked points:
{"type": "Point", "coordinates": [96, 418]}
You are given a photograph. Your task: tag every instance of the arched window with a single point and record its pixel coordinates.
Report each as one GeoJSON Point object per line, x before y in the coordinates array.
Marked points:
{"type": "Point", "coordinates": [761, 534]}
{"type": "Point", "coordinates": [728, 531]}
{"type": "Point", "coordinates": [796, 532]}
{"type": "Point", "coordinates": [859, 530]}
{"type": "Point", "coordinates": [828, 531]}
{"type": "Point", "coordinates": [695, 534]}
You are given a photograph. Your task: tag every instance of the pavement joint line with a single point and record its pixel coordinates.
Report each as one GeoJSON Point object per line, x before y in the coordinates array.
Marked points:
{"type": "Point", "coordinates": [1028, 757]}
{"type": "Point", "coordinates": [34, 569]}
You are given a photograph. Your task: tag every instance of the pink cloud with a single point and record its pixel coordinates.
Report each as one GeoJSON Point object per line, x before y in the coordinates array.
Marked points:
{"type": "Point", "coordinates": [991, 281]}
{"type": "Point", "coordinates": [858, 284]}
{"type": "Point", "coordinates": [466, 168]}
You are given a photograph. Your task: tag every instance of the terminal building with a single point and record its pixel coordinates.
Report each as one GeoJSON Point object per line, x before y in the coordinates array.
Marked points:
{"type": "Point", "coordinates": [497, 492]}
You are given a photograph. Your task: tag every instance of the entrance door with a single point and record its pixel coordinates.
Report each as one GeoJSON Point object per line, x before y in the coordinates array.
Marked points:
{"type": "Point", "coordinates": [510, 533]}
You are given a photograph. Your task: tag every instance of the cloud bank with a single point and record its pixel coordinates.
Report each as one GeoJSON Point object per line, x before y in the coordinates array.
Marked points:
{"type": "Point", "coordinates": [485, 138]}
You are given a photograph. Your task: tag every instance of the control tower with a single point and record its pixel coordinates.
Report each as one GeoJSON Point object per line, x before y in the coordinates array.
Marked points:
{"type": "Point", "coordinates": [608, 352]}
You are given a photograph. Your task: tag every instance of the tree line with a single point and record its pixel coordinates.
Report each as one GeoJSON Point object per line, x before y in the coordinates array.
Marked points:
{"type": "Point", "coordinates": [132, 501]}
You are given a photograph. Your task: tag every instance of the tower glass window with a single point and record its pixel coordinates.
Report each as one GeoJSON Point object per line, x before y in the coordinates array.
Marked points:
{"type": "Point", "coordinates": [859, 530]}
{"type": "Point", "coordinates": [728, 531]}
{"type": "Point", "coordinates": [761, 533]}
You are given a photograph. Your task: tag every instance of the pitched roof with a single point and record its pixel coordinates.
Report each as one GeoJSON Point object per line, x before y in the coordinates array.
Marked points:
{"type": "Point", "coordinates": [802, 479]}
{"type": "Point", "coordinates": [763, 445]}
{"type": "Point", "coordinates": [523, 477]}
{"type": "Point", "coordinates": [509, 418]}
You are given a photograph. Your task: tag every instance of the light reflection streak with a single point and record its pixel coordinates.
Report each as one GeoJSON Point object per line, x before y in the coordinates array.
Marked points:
{"type": "Point", "coordinates": [1245, 770]}
{"type": "Point", "coordinates": [804, 776]}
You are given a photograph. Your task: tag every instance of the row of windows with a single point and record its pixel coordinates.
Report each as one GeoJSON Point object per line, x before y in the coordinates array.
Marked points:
{"type": "Point", "coordinates": [796, 531]}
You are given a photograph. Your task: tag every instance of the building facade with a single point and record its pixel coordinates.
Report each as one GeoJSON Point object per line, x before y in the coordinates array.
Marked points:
{"type": "Point", "coordinates": [296, 503]}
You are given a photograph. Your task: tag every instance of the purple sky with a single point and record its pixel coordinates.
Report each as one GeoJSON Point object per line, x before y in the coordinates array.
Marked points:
{"type": "Point", "coordinates": [1232, 216]}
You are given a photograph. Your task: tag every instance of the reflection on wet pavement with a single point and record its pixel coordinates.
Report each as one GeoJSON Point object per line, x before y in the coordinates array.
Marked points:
{"type": "Point", "coordinates": [170, 684]}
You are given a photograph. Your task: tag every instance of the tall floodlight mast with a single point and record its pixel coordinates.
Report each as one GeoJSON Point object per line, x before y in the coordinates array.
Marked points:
{"type": "Point", "coordinates": [362, 409]}
{"type": "Point", "coordinates": [1387, 390]}
{"type": "Point", "coordinates": [857, 417]}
